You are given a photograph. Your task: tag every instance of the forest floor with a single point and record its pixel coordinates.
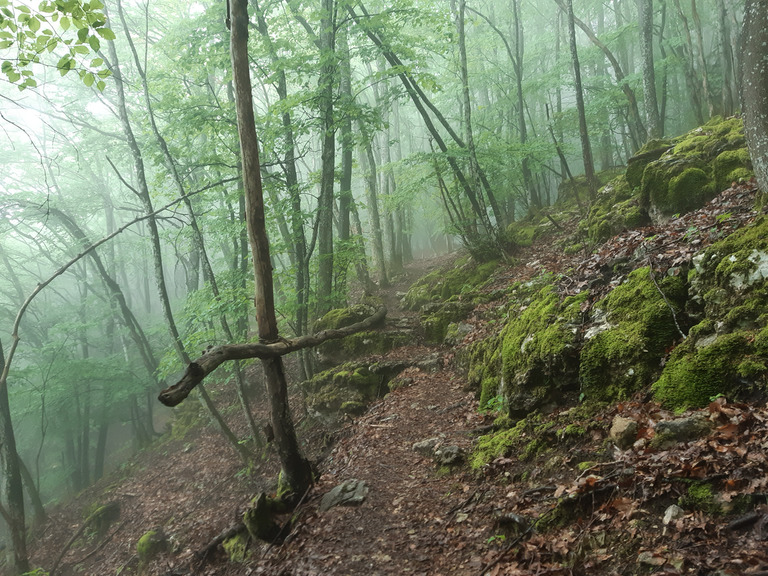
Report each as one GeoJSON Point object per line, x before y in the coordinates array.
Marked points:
{"type": "Point", "coordinates": [422, 519]}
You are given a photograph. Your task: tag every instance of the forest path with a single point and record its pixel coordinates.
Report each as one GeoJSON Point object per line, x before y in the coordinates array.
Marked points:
{"type": "Point", "coordinates": [409, 522]}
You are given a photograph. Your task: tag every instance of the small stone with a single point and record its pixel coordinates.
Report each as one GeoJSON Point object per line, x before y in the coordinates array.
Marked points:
{"type": "Point", "coordinates": [449, 455]}
{"type": "Point", "coordinates": [461, 517]}
{"type": "Point", "coordinates": [683, 429]}
{"type": "Point", "coordinates": [651, 559]}
{"type": "Point", "coordinates": [672, 513]}
{"type": "Point", "coordinates": [348, 493]}
{"type": "Point", "coordinates": [623, 432]}
{"type": "Point", "coordinates": [426, 447]}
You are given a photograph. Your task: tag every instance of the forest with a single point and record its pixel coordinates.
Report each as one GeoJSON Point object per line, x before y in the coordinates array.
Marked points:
{"type": "Point", "coordinates": [232, 232]}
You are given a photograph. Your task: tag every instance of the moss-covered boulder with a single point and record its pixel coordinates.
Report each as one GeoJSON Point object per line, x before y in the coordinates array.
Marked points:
{"type": "Point", "coordinates": [693, 170]}
{"type": "Point", "coordinates": [363, 343]}
{"type": "Point", "coordinates": [534, 359]}
{"type": "Point", "coordinates": [615, 209]}
{"type": "Point", "coordinates": [650, 152]}
{"type": "Point", "coordinates": [462, 277]}
{"type": "Point", "coordinates": [345, 389]}
{"type": "Point", "coordinates": [150, 546]}
{"type": "Point", "coordinates": [236, 546]}
{"type": "Point", "coordinates": [436, 318]}
{"type": "Point", "coordinates": [635, 327]}
{"type": "Point", "coordinates": [727, 351]}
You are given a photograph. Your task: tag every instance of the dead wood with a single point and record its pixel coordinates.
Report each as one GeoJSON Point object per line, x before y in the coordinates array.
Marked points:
{"type": "Point", "coordinates": [214, 357]}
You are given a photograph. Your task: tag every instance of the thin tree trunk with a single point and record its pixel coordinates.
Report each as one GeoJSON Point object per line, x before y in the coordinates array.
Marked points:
{"type": "Point", "coordinates": [296, 469]}
{"type": "Point", "coordinates": [645, 11]}
{"type": "Point", "coordinates": [586, 148]}
{"type": "Point", "coordinates": [14, 491]}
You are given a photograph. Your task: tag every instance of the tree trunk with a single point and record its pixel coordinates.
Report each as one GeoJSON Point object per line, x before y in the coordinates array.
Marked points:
{"type": "Point", "coordinates": [326, 37]}
{"type": "Point", "coordinates": [296, 469]}
{"type": "Point", "coordinates": [754, 96]}
{"type": "Point", "coordinates": [586, 148]}
{"type": "Point", "coordinates": [368, 164]}
{"type": "Point", "coordinates": [726, 58]}
{"type": "Point", "coordinates": [645, 12]}
{"type": "Point", "coordinates": [13, 488]}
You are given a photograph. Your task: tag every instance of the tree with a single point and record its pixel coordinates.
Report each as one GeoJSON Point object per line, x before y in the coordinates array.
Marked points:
{"type": "Point", "coordinates": [645, 10]}
{"type": "Point", "coordinates": [754, 96]}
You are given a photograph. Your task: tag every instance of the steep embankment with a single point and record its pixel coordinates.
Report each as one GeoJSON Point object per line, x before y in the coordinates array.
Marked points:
{"type": "Point", "coordinates": [520, 434]}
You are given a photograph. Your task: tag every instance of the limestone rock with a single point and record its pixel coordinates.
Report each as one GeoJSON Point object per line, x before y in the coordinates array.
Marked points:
{"type": "Point", "coordinates": [426, 447]}
{"type": "Point", "coordinates": [349, 493]}
{"type": "Point", "coordinates": [623, 432]}
{"type": "Point", "coordinates": [670, 432]}
{"type": "Point", "coordinates": [449, 455]}
{"type": "Point", "coordinates": [672, 513]}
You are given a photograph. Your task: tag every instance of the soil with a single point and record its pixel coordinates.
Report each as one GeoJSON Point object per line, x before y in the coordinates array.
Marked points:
{"type": "Point", "coordinates": [420, 518]}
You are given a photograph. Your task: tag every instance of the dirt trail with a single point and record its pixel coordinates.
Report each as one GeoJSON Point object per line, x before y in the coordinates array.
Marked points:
{"type": "Point", "coordinates": [407, 524]}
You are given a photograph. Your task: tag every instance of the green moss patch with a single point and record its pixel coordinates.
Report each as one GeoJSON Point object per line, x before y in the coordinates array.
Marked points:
{"type": "Point", "coordinates": [464, 276]}
{"type": "Point", "coordinates": [436, 318]}
{"type": "Point", "coordinates": [698, 166]}
{"type": "Point", "coordinates": [615, 209]}
{"type": "Point", "coordinates": [626, 356]}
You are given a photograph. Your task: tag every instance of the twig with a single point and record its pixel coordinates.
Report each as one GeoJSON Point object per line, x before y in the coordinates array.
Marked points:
{"type": "Point", "coordinates": [458, 507]}
{"type": "Point", "coordinates": [99, 547]}
{"type": "Point", "coordinates": [669, 305]}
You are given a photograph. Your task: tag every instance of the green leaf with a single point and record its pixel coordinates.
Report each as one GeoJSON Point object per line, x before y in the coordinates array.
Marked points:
{"type": "Point", "coordinates": [6, 44]}
{"type": "Point", "coordinates": [101, 85]}
{"type": "Point", "coordinates": [79, 49]}
{"type": "Point", "coordinates": [106, 33]}
{"type": "Point", "coordinates": [82, 35]}
{"type": "Point", "coordinates": [65, 23]}
{"type": "Point", "coordinates": [88, 79]}
{"type": "Point", "coordinates": [97, 62]}
{"type": "Point", "coordinates": [93, 41]}
{"type": "Point", "coordinates": [34, 24]}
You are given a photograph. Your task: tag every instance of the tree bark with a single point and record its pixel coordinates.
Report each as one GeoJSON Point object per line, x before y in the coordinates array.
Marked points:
{"type": "Point", "coordinates": [645, 12]}
{"type": "Point", "coordinates": [296, 468]}
{"type": "Point", "coordinates": [586, 147]}
{"type": "Point", "coordinates": [754, 96]}
{"type": "Point", "coordinates": [12, 478]}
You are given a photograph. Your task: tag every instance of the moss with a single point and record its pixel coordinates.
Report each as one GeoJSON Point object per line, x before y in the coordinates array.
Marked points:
{"type": "Point", "coordinates": [521, 234]}
{"type": "Point", "coordinates": [688, 190]}
{"type": "Point", "coordinates": [616, 208]}
{"type": "Point", "coordinates": [236, 547]}
{"type": "Point", "coordinates": [346, 387]}
{"type": "Point", "coordinates": [465, 275]}
{"type": "Point", "coordinates": [343, 317]}
{"type": "Point", "coordinates": [731, 166]}
{"type": "Point", "coordinates": [495, 445]}
{"type": "Point", "coordinates": [651, 151]}
{"type": "Point", "coordinates": [436, 318]}
{"type": "Point", "coordinates": [538, 352]}
{"type": "Point", "coordinates": [700, 497]}
{"type": "Point", "coordinates": [626, 357]}
{"type": "Point", "coordinates": [694, 375]}
{"type": "Point", "coordinates": [150, 545]}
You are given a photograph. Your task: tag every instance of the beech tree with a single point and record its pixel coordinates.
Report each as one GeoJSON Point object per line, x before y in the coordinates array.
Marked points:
{"type": "Point", "coordinates": [754, 95]}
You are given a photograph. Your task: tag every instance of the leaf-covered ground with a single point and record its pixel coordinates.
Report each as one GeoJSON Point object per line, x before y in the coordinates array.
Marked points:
{"type": "Point", "coordinates": [575, 505]}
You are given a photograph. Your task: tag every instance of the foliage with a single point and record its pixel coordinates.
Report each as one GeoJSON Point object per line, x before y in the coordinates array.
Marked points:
{"type": "Point", "coordinates": [78, 27]}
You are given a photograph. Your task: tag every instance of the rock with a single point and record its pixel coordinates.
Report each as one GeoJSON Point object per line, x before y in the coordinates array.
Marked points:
{"type": "Point", "coordinates": [426, 447]}
{"type": "Point", "coordinates": [651, 559]}
{"type": "Point", "coordinates": [623, 432]}
{"type": "Point", "coordinates": [449, 455]}
{"type": "Point", "coordinates": [671, 432]}
{"type": "Point", "coordinates": [672, 513]}
{"type": "Point", "coordinates": [349, 493]}
{"type": "Point", "coordinates": [150, 546]}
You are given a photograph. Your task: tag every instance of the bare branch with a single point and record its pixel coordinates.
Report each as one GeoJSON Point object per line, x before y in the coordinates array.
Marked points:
{"type": "Point", "coordinates": [215, 357]}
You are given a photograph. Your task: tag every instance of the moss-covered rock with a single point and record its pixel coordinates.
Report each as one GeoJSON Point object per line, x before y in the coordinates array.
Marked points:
{"type": "Point", "coordinates": [698, 166]}
{"type": "Point", "coordinates": [150, 546]}
{"type": "Point", "coordinates": [639, 328]}
{"type": "Point", "coordinates": [534, 359]}
{"type": "Point", "coordinates": [727, 351]}
{"type": "Point", "coordinates": [616, 208]}
{"type": "Point", "coordinates": [343, 317]}
{"type": "Point", "coordinates": [651, 151]}
{"type": "Point", "coordinates": [349, 386]}
{"type": "Point", "coordinates": [236, 547]}
{"type": "Point", "coordinates": [435, 318]}
{"type": "Point", "coordinates": [465, 275]}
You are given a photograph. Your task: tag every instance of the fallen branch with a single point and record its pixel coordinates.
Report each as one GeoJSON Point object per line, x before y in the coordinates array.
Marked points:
{"type": "Point", "coordinates": [215, 357]}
